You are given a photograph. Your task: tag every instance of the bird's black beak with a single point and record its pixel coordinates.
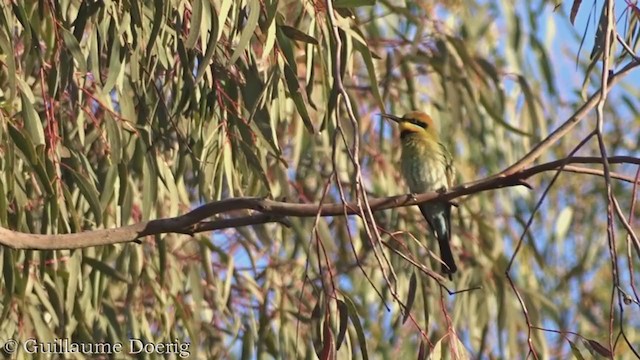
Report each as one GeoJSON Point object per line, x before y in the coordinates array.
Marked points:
{"type": "Point", "coordinates": [391, 117]}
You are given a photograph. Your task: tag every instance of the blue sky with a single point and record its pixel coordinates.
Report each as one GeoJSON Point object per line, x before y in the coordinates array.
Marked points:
{"type": "Point", "coordinates": [565, 66]}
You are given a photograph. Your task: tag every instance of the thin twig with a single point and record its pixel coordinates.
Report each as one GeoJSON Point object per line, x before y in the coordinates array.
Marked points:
{"type": "Point", "coordinates": [627, 48]}
{"type": "Point", "coordinates": [362, 201]}
{"type": "Point", "coordinates": [557, 134]}
{"type": "Point", "coordinates": [344, 201]}
{"type": "Point", "coordinates": [608, 32]}
{"type": "Point", "coordinates": [632, 211]}
{"type": "Point", "coordinates": [630, 232]}
{"type": "Point", "coordinates": [521, 241]}
{"type": "Point", "coordinates": [598, 172]}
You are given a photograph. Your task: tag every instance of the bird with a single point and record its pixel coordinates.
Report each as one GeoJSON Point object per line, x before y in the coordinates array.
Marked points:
{"type": "Point", "coordinates": [427, 165]}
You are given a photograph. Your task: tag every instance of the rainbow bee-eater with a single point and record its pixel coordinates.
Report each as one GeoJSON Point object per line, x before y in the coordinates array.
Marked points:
{"type": "Point", "coordinates": [427, 165]}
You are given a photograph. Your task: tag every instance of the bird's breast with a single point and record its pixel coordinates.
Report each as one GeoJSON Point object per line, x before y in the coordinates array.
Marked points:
{"type": "Point", "coordinates": [423, 166]}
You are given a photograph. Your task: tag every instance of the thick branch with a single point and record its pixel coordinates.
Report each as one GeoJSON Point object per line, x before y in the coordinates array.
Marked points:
{"type": "Point", "coordinates": [270, 211]}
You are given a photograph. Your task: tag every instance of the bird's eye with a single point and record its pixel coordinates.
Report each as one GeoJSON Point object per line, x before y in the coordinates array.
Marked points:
{"type": "Point", "coordinates": [419, 123]}
{"type": "Point", "coordinates": [416, 122]}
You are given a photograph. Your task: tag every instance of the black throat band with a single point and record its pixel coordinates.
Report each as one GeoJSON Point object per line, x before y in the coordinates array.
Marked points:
{"type": "Point", "coordinates": [405, 133]}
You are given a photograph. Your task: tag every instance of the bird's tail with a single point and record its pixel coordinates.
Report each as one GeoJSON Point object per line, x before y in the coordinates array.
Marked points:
{"type": "Point", "coordinates": [439, 218]}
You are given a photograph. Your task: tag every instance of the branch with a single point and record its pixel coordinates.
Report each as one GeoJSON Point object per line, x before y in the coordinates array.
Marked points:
{"type": "Point", "coordinates": [609, 30]}
{"type": "Point", "coordinates": [627, 48]}
{"type": "Point", "coordinates": [570, 123]}
{"type": "Point", "coordinates": [271, 211]}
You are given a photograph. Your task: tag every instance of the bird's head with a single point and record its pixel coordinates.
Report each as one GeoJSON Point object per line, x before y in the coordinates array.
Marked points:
{"type": "Point", "coordinates": [414, 122]}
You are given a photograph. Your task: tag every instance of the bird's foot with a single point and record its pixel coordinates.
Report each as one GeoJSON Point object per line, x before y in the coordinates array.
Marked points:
{"type": "Point", "coordinates": [441, 190]}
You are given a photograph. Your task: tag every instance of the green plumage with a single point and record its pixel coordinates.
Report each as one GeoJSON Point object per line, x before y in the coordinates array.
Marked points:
{"type": "Point", "coordinates": [427, 166]}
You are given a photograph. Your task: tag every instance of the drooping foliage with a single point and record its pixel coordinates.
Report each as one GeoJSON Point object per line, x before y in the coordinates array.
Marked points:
{"type": "Point", "coordinates": [117, 112]}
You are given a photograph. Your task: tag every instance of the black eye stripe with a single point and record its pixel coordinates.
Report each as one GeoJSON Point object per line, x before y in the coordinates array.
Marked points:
{"type": "Point", "coordinates": [418, 123]}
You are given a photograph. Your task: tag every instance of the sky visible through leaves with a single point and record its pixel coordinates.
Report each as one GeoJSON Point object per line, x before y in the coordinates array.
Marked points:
{"type": "Point", "coordinates": [563, 40]}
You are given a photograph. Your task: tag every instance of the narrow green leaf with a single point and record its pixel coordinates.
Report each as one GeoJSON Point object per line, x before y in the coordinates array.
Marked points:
{"type": "Point", "coordinates": [74, 277]}
{"type": "Point", "coordinates": [437, 352]}
{"type": "Point", "coordinates": [343, 313]}
{"type": "Point", "coordinates": [458, 348]}
{"type": "Point", "coordinates": [125, 196]}
{"type": "Point", "coordinates": [108, 189]}
{"type": "Point", "coordinates": [296, 96]}
{"type": "Point", "coordinates": [574, 11]}
{"type": "Point", "coordinates": [545, 65]}
{"type": "Point", "coordinates": [127, 103]}
{"type": "Point", "coordinates": [355, 320]}
{"type": "Point", "coordinates": [23, 143]}
{"type": "Point", "coordinates": [563, 222]}
{"type": "Point", "coordinates": [411, 297]}
{"type": "Point", "coordinates": [270, 41]}
{"type": "Point", "coordinates": [169, 182]}
{"type": "Point", "coordinates": [223, 16]}
{"type": "Point", "coordinates": [34, 155]}
{"type": "Point", "coordinates": [248, 343]}
{"type": "Point", "coordinates": [105, 269]}
{"type": "Point", "coordinates": [9, 274]}
{"type": "Point", "coordinates": [10, 62]}
{"type": "Point", "coordinates": [225, 294]}
{"type": "Point", "coordinates": [228, 167]}
{"type": "Point", "coordinates": [422, 350]}
{"type": "Point", "coordinates": [32, 122]}
{"type": "Point", "coordinates": [23, 18]}
{"type": "Point", "coordinates": [598, 42]}
{"type": "Point", "coordinates": [74, 219]}
{"type": "Point", "coordinates": [353, 3]}
{"type": "Point", "coordinates": [498, 117]}
{"type": "Point", "coordinates": [88, 190]}
{"type": "Point", "coordinates": [3, 204]}
{"type": "Point", "coordinates": [297, 35]}
{"type": "Point", "coordinates": [42, 329]}
{"type": "Point", "coordinates": [50, 300]}
{"type": "Point", "coordinates": [71, 43]}
{"type": "Point", "coordinates": [596, 347]}
{"type": "Point", "coordinates": [529, 99]}
{"type": "Point", "coordinates": [115, 138]}
{"type": "Point", "coordinates": [158, 15]}
{"type": "Point", "coordinates": [111, 315]}
{"type": "Point", "coordinates": [575, 351]}
{"type": "Point", "coordinates": [247, 31]}
{"type": "Point", "coordinates": [310, 77]}
{"type": "Point", "coordinates": [254, 162]}
{"type": "Point", "coordinates": [162, 258]}
{"type": "Point", "coordinates": [328, 343]}
{"type": "Point", "coordinates": [205, 62]}
{"type": "Point", "coordinates": [407, 73]}
{"type": "Point", "coordinates": [492, 71]}
{"type": "Point", "coordinates": [114, 69]}
{"type": "Point", "coordinates": [150, 186]}
{"type": "Point", "coordinates": [371, 70]}
{"type": "Point", "coordinates": [196, 20]}
{"type": "Point", "coordinates": [195, 285]}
